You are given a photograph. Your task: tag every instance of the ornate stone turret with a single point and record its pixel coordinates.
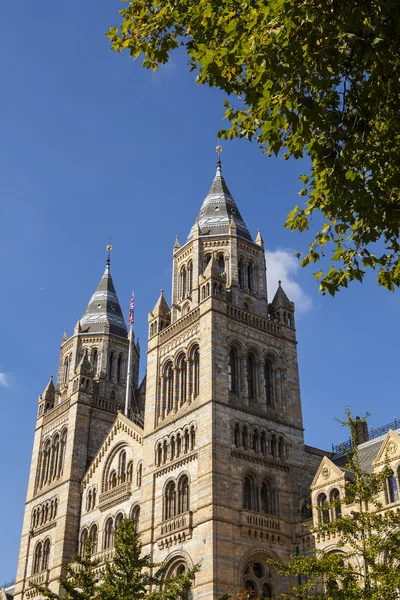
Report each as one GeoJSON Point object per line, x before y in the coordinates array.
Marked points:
{"type": "Point", "coordinates": [160, 316]}
{"type": "Point", "coordinates": [281, 308]}
{"type": "Point", "coordinates": [47, 398]}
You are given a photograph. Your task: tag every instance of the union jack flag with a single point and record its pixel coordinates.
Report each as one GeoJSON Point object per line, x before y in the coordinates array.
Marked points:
{"type": "Point", "coordinates": [131, 310]}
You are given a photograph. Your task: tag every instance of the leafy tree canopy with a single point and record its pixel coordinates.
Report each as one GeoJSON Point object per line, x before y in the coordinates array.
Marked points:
{"type": "Point", "coordinates": [316, 77]}
{"type": "Point", "coordinates": [365, 565]}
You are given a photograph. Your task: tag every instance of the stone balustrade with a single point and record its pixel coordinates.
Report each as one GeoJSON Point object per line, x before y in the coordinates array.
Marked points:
{"type": "Point", "coordinates": [175, 530]}
{"type": "Point", "coordinates": [253, 320]}
{"type": "Point", "coordinates": [255, 520]}
{"type": "Point", "coordinates": [115, 495]}
{"type": "Point", "coordinates": [41, 578]}
{"type": "Point", "coordinates": [179, 325]}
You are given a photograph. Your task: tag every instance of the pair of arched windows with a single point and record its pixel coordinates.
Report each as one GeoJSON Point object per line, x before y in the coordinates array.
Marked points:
{"type": "Point", "coordinates": [251, 376]}
{"type": "Point", "coordinates": [119, 374]}
{"type": "Point", "coordinates": [257, 580]}
{"type": "Point", "coordinates": [90, 535]}
{"type": "Point", "coordinates": [186, 280]}
{"type": "Point", "coordinates": [52, 458]}
{"type": "Point", "coordinates": [41, 557]}
{"type": "Point", "coordinates": [91, 499]}
{"type": "Point", "coordinates": [247, 276]}
{"type": "Point", "coordinates": [259, 441]}
{"type": "Point", "coordinates": [329, 509]}
{"type": "Point", "coordinates": [176, 498]}
{"type": "Point", "coordinates": [111, 526]}
{"type": "Point", "coordinates": [180, 383]}
{"type": "Point", "coordinates": [260, 498]}
{"type": "Point", "coordinates": [122, 473]}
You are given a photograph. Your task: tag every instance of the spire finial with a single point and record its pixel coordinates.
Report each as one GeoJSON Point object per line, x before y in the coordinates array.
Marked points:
{"type": "Point", "coordinates": [219, 150]}
{"type": "Point", "coordinates": [109, 248]}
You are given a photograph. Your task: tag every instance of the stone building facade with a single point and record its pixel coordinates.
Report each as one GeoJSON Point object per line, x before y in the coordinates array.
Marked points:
{"type": "Point", "coordinates": [210, 460]}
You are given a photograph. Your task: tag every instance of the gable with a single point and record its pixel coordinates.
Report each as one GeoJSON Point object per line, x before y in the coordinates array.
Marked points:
{"type": "Point", "coordinates": [122, 432]}
{"type": "Point", "coordinates": [389, 450]}
{"type": "Point", "coordinates": [326, 474]}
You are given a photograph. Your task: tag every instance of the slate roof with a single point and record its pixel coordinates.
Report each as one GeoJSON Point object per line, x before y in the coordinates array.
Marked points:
{"type": "Point", "coordinates": [367, 453]}
{"type": "Point", "coordinates": [104, 309]}
{"type": "Point", "coordinates": [217, 210]}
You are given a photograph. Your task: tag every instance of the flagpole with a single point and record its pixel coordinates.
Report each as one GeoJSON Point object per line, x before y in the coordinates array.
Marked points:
{"type": "Point", "coordinates": [128, 376]}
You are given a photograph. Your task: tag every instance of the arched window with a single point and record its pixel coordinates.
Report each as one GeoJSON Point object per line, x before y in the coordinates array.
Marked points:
{"type": "Point", "coordinates": [268, 382]}
{"type": "Point", "coordinates": [196, 373]}
{"type": "Point", "coordinates": [190, 277]}
{"type": "Point", "coordinates": [66, 370]}
{"type": "Point", "coordinates": [120, 366]}
{"type": "Point", "coordinates": [267, 498]}
{"type": "Point", "coordinates": [159, 454]}
{"type": "Point", "coordinates": [273, 446]}
{"type": "Point", "coordinates": [129, 471]}
{"type": "Point", "coordinates": [221, 262]}
{"type": "Point", "coordinates": [139, 475]}
{"type": "Point", "coordinates": [240, 273]}
{"type": "Point", "coordinates": [82, 541]}
{"type": "Point", "coordinates": [251, 377]}
{"type": "Point", "coordinates": [94, 498]}
{"type": "Point", "coordinates": [108, 534]}
{"type": "Point", "coordinates": [37, 559]}
{"type": "Point", "coordinates": [55, 456]}
{"type": "Point", "coordinates": [118, 519]}
{"type": "Point", "coordinates": [93, 536]}
{"type": "Point", "coordinates": [110, 366]}
{"type": "Point", "coordinates": [335, 498]}
{"type": "Point", "coordinates": [170, 501]}
{"type": "Point", "coordinates": [255, 440]}
{"type": "Point", "coordinates": [236, 436]}
{"type": "Point", "coordinates": [393, 493]}
{"type": "Point", "coordinates": [192, 437]}
{"type": "Point", "coordinates": [89, 500]}
{"type": "Point", "coordinates": [281, 448]}
{"type": "Point", "coordinates": [244, 438]}
{"type": "Point", "coordinates": [178, 444]}
{"type": "Point", "coordinates": [187, 440]}
{"type": "Point", "coordinates": [46, 462]}
{"type": "Point", "coordinates": [250, 277]}
{"type": "Point", "coordinates": [112, 395]}
{"type": "Point", "coordinates": [169, 374]}
{"type": "Point", "coordinates": [122, 466]}
{"type": "Point", "coordinates": [135, 516]}
{"type": "Point", "coordinates": [182, 380]}
{"type": "Point", "coordinates": [257, 579]}
{"type": "Point", "coordinates": [165, 451]}
{"type": "Point", "coordinates": [248, 494]}
{"type": "Point", "coordinates": [183, 495]}
{"type": "Point", "coordinates": [113, 480]}
{"type": "Point", "coordinates": [263, 443]}
{"type": "Point", "coordinates": [95, 360]}
{"type": "Point", "coordinates": [323, 506]}
{"type": "Point", "coordinates": [232, 370]}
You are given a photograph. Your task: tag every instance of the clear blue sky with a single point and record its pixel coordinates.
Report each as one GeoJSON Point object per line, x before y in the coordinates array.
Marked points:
{"type": "Point", "coordinates": [92, 146]}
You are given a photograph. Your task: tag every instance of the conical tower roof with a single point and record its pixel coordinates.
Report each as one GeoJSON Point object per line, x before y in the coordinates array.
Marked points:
{"type": "Point", "coordinates": [281, 300]}
{"type": "Point", "coordinates": [218, 209]}
{"type": "Point", "coordinates": [104, 309]}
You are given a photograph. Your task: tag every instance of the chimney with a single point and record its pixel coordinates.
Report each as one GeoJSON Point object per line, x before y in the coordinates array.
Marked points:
{"type": "Point", "coordinates": [361, 431]}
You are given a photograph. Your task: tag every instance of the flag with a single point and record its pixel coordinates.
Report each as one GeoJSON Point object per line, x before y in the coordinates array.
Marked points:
{"type": "Point", "coordinates": [131, 309]}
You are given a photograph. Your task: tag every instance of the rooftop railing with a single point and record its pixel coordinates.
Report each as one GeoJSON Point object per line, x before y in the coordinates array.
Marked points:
{"type": "Point", "coordinates": [340, 449]}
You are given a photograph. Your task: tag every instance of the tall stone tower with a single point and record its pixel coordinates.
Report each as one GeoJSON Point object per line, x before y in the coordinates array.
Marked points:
{"type": "Point", "coordinates": [73, 419]}
{"type": "Point", "coordinates": [226, 472]}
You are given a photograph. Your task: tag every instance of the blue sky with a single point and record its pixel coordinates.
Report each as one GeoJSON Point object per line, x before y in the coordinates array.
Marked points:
{"type": "Point", "coordinates": [92, 146]}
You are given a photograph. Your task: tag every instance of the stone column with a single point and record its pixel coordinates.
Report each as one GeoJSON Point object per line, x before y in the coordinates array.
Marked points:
{"type": "Point", "coordinates": [260, 384]}
{"type": "Point", "coordinates": [162, 402]}
{"type": "Point", "coordinates": [189, 383]}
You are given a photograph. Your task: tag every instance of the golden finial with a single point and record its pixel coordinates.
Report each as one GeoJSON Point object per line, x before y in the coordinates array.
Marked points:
{"type": "Point", "coordinates": [109, 248]}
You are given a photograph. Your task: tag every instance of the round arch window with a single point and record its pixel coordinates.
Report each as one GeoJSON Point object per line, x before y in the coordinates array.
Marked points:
{"type": "Point", "coordinates": [258, 579]}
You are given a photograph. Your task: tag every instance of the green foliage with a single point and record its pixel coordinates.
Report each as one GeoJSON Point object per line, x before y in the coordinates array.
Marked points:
{"type": "Point", "coordinates": [315, 77]}
{"type": "Point", "coordinates": [79, 581]}
{"type": "Point", "coordinates": [365, 565]}
{"type": "Point", "coordinates": [129, 577]}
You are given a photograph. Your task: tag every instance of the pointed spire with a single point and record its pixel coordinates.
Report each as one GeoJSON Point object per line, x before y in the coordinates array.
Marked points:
{"type": "Point", "coordinates": [48, 394]}
{"type": "Point", "coordinates": [104, 309]}
{"type": "Point", "coordinates": [259, 239]}
{"type": "Point", "coordinates": [161, 308]}
{"type": "Point", "coordinates": [213, 270]}
{"type": "Point", "coordinates": [281, 300]}
{"type": "Point", "coordinates": [77, 327]}
{"type": "Point", "coordinates": [84, 366]}
{"type": "Point", "coordinates": [177, 244]}
{"type": "Point", "coordinates": [219, 208]}
{"type": "Point", "coordinates": [64, 337]}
